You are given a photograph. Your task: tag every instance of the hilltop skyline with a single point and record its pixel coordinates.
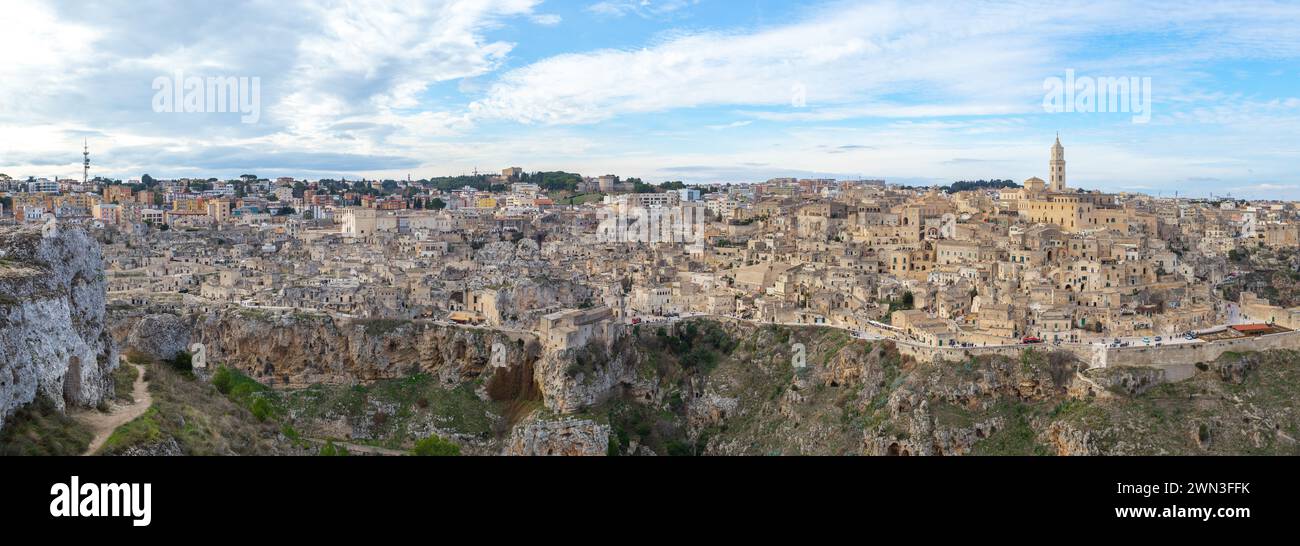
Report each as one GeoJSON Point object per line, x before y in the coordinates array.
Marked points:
{"type": "Point", "coordinates": [699, 91]}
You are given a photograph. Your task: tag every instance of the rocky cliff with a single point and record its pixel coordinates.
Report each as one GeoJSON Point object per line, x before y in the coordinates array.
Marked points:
{"type": "Point", "coordinates": [385, 382]}
{"type": "Point", "coordinates": [703, 387]}
{"type": "Point", "coordinates": [53, 341]}
{"type": "Point", "coordinates": [291, 349]}
{"type": "Point", "coordinates": [294, 349]}
{"type": "Point", "coordinates": [558, 437]}
{"type": "Point", "coordinates": [725, 388]}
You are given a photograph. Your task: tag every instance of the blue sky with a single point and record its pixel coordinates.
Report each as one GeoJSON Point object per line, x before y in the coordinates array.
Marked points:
{"type": "Point", "coordinates": [694, 90]}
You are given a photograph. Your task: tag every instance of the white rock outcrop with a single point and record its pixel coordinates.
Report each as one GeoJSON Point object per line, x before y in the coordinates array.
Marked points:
{"type": "Point", "coordinates": [53, 340]}
{"type": "Point", "coordinates": [564, 436]}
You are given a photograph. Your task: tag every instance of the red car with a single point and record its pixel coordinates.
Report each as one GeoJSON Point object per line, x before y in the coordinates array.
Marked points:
{"type": "Point", "coordinates": [1031, 339]}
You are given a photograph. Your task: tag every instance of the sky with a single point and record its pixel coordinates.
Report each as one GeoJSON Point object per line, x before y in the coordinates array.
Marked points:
{"type": "Point", "coordinates": [696, 90]}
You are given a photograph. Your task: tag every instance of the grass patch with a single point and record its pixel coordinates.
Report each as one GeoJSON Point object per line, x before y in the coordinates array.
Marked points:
{"type": "Point", "coordinates": [143, 430]}
{"type": "Point", "coordinates": [247, 392]}
{"type": "Point", "coordinates": [332, 450]}
{"type": "Point", "coordinates": [386, 413]}
{"type": "Point", "coordinates": [124, 382]}
{"type": "Point", "coordinates": [40, 428]}
{"type": "Point", "coordinates": [1017, 437]}
{"type": "Point", "coordinates": [201, 420]}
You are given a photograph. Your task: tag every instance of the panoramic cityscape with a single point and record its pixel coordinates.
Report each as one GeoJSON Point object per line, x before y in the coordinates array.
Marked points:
{"type": "Point", "coordinates": [539, 313]}
{"type": "Point", "coordinates": [650, 228]}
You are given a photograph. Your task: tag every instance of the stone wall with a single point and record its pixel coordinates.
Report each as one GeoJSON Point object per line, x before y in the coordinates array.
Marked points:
{"type": "Point", "coordinates": [1178, 360]}
{"type": "Point", "coordinates": [1085, 353]}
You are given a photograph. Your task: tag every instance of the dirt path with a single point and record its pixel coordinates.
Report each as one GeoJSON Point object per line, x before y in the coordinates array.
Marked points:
{"type": "Point", "coordinates": [103, 424]}
{"type": "Point", "coordinates": [362, 448]}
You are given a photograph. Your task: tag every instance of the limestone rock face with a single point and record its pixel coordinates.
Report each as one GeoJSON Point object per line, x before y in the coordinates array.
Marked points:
{"type": "Point", "coordinates": [568, 436]}
{"type": "Point", "coordinates": [159, 336]}
{"type": "Point", "coordinates": [165, 448]}
{"type": "Point", "coordinates": [1067, 439]}
{"type": "Point", "coordinates": [297, 349]}
{"type": "Point", "coordinates": [582, 377]}
{"type": "Point", "coordinates": [1130, 380]}
{"type": "Point", "coordinates": [53, 340]}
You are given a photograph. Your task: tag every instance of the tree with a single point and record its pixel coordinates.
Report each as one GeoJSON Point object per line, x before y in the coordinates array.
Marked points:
{"type": "Point", "coordinates": [437, 204]}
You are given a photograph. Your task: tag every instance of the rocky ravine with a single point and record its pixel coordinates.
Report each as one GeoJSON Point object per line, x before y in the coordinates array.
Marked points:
{"type": "Point", "coordinates": [294, 350]}
{"type": "Point", "coordinates": [705, 387]}
{"type": "Point", "coordinates": [53, 341]}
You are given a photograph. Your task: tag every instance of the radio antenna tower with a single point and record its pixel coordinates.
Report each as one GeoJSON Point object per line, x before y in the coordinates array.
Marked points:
{"type": "Point", "coordinates": [85, 164]}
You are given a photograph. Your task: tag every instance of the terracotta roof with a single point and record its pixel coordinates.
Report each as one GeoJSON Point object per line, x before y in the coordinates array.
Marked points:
{"type": "Point", "coordinates": [1252, 327]}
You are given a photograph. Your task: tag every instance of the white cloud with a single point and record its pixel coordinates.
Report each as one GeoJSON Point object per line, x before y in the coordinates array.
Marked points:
{"type": "Point", "coordinates": [732, 125]}
{"type": "Point", "coordinates": [640, 8]}
{"type": "Point", "coordinates": [882, 59]}
{"type": "Point", "coordinates": [842, 57]}
{"type": "Point", "coordinates": [547, 19]}
{"type": "Point", "coordinates": [72, 66]}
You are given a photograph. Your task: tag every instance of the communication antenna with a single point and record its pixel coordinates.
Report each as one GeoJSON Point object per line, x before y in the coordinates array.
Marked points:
{"type": "Point", "coordinates": [85, 164]}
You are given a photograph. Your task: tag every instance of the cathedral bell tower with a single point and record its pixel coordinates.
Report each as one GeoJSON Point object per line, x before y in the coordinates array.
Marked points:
{"type": "Point", "coordinates": [1057, 166]}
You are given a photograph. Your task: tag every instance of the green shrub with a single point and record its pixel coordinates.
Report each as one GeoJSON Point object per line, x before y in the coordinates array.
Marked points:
{"type": "Point", "coordinates": [222, 379]}
{"type": "Point", "coordinates": [331, 450]}
{"type": "Point", "coordinates": [182, 362]}
{"type": "Point", "coordinates": [261, 409]}
{"type": "Point", "coordinates": [435, 446]}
